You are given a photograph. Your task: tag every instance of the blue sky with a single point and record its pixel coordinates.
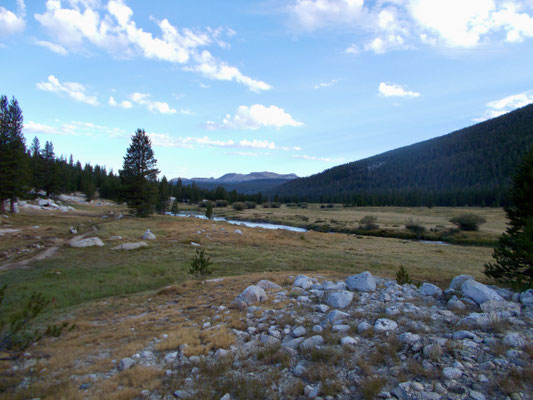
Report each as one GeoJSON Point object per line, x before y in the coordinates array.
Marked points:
{"type": "Point", "coordinates": [240, 86]}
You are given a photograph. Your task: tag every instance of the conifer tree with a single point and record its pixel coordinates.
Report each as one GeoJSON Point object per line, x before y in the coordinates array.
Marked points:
{"type": "Point", "coordinates": [514, 252]}
{"type": "Point", "coordinates": [164, 195]}
{"type": "Point", "coordinates": [37, 165]}
{"type": "Point", "coordinates": [13, 166]}
{"type": "Point", "coordinates": [139, 175]}
{"type": "Point", "coordinates": [51, 170]}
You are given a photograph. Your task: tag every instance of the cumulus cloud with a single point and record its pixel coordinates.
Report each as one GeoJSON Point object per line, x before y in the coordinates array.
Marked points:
{"type": "Point", "coordinates": [123, 104]}
{"type": "Point", "coordinates": [393, 90]}
{"type": "Point", "coordinates": [153, 106]}
{"type": "Point", "coordinates": [112, 29]}
{"type": "Point", "coordinates": [11, 23]}
{"type": "Point", "coordinates": [73, 128]}
{"type": "Point", "coordinates": [73, 90]}
{"type": "Point", "coordinates": [502, 106]}
{"type": "Point", "coordinates": [255, 117]}
{"type": "Point", "coordinates": [400, 24]}
{"type": "Point", "coordinates": [56, 48]}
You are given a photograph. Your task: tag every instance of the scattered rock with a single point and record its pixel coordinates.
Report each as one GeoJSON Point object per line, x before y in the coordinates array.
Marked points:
{"type": "Point", "coordinates": [311, 343]}
{"type": "Point", "coordinates": [479, 292]}
{"type": "Point", "coordinates": [452, 373]}
{"type": "Point", "coordinates": [303, 282]}
{"type": "Point", "coordinates": [253, 294]}
{"type": "Point", "coordinates": [514, 339]}
{"type": "Point", "coordinates": [428, 289]}
{"type": "Point", "coordinates": [340, 299]}
{"type": "Point", "coordinates": [89, 242]}
{"type": "Point", "coordinates": [125, 363]}
{"type": "Point", "coordinates": [458, 281]}
{"type": "Point", "coordinates": [148, 235]}
{"type": "Point", "coordinates": [73, 230]}
{"type": "Point", "coordinates": [385, 325]}
{"type": "Point", "coordinates": [363, 282]}
{"type": "Point", "coordinates": [130, 246]}
{"type": "Point", "coordinates": [268, 285]}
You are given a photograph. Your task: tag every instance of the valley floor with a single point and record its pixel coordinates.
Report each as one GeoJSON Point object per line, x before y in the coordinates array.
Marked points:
{"type": "Point", "coordinates": [142, 302]}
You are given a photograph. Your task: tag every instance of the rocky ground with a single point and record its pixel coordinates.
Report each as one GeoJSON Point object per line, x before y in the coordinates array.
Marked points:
{"type": "Point", "coordinates": [360, 338]}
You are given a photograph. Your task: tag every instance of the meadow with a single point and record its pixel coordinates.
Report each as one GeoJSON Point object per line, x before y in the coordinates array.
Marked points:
{"type": "Point", "coordinates": [107, 293]}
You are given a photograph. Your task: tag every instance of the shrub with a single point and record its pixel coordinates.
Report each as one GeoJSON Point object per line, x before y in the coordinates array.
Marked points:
{"type": "Point", "coordinates": [205, 203]}
{"type": "Point", "coordinates": [275, 204]}
{"type": "Point", "coordinates": [415, 227]}
{"type": "Point", "coordinates": [239, 206]}
{"type": "Point", "coordinates": [174, 209]}
{"type": "Point", "coordinates": [209, 211]}
{"type": "Point", "coordinates": [267, 205]}
{"type": "Point", "coordinates": [468, 222]}
{"type": "Point", "coordinates": [15, 334]}
{"type": "Point", "coordinates": [369, 222]}
{"type": "Point", "coordinates": [330, 205]}
{"type": "Point", "coordinates": [322, 206]}
{"type": "Point", "coordinates": [221, 203]}
{"type": "Point", "coordinates": [200, 265]}
{"type": "Point", "coordinates": [250, 204]}
{"type": "Point", "coordinates": [303, 205]}
{"type": "Point", "coordinates": [402, 276]}
{"type": "Point", "coordinates": [291, 205]}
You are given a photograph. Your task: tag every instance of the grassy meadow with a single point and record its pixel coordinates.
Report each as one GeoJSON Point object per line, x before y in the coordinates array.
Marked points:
{"type": "Point", "coordinates": [110, 293]}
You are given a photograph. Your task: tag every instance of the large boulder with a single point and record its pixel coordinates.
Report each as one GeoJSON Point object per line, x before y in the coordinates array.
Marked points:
{"type": "Point", "coordinates": [311, 343]}
{"type": "Point", "coordinates": [303, 282]}
{"type": "Point", "coordinates": [339, 299]}
{"type": "Point", "coordinates": [148, 235]}
{"type": "Point", "coordinates": [268, 285]}
{"type": "Point", "coordinates": [253, 294]}
{"type": "Point", "coordinates": [89, 242]}
{"type": "Point", "coordinates": [526, 297]}
{"type": "Point", "coordinates": [363, 282]}
{"type": "Point", "coordinates": [494, 306]}
{"type": "Point", "coordinates": [458, 281]}
{"type": "Point", "coordinates": [479, 292]}
{"type": "Point", "coordinates": [130, 246]}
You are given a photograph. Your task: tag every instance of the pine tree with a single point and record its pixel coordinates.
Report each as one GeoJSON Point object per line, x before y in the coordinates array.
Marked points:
{"type": "Point", "coordinates": [139, 175]}
{"type": "Point", "coordinates": [36, 164]}
{"type": "Point", "coordinates": [13, 158]}
{"type": "Point", "coordinates": [164, 195]}
{"type": "Point", "coordinates": [50, 170]}
{"type": "Point", "coordinates": [514, 252]}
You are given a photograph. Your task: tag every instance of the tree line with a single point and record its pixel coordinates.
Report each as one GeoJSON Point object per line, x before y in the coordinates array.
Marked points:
{"type": "Point", "coordinates": [27, 171]}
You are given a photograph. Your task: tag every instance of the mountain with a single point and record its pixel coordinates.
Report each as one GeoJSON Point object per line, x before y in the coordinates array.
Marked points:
{"type": "Point", "coordinates": [471, 166]}
{"type": "Point", "coordinates": [254, 182]}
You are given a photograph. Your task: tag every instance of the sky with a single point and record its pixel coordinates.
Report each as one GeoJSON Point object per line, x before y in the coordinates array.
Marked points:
{"type": "Point", "coordinates": [288, 86]}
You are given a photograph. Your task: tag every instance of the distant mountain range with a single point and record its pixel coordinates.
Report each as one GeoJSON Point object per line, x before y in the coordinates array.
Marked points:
{"type": "Point", "coordinates": [253, 182]}
{"type": "Point", "coordinates": [471, 166]}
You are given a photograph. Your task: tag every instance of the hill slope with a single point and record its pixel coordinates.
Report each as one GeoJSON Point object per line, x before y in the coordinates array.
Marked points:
{"type": "Point", "coordinates": [471, 166]}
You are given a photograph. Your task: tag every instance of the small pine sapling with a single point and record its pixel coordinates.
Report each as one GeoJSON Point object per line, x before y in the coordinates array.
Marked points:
{"type": "Point", "coordinates": [200, 265]}
{"type": "Point", "coordinates": [402, 276]}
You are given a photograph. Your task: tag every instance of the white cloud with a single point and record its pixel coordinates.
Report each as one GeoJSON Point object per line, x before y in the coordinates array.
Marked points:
{"type": "Point", "coordinates": [255, 117]}
{"type": "Point", "coordinates": [56, 48]}
{"type": "Point", "coordinates": [326, 84]}
{"type": "Point", "coordinates": [257, 144]}
{"type": "Point", "coordinates": [399, 24]}
{"type": "Point", "coordinates": [153, 106]}
{"type": "Point", "coordinates": [314, 158]}
{"type": "Point", "coordinates": [73, 128]}
{"type": "Point", "coordinates": [166, 140]}
{"type": "Point", "coordinates": [112, 29]}
{"type": "Point", "coordinates": [393, 90]}
{"type": "Point", "coordinates": [353, 49]}
{"type": "Point", "coordinates": [11, 23]}
{"type": "Point", "coordinates": [502, 106]}
{"type": "Point", "coordinates": [123, 104]}
{"type": "Point", "coordinates": [73, 90]}
{"type": "Point", "coordinates": [243, 153]}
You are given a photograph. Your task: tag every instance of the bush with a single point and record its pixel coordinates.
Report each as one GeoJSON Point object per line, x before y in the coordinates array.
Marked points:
{"type": "Point", "coordinates": [322, 206]}
{"type": "Point", "coordinates": [205, 203]}
{"type": "Point", "coordinates": [330, 205]}
{"type": "Point", "coordinates": [221, 203]}
{"type": "Point", "coordinates": [174, 209]}
{"type": "Point", "coordinates": [303, 205]}
{"type": "Point", "coordinates": [250, 204]}
{"type": "Point", "coordinates": [209, 211]}
{"type": "Point", "coordinates": [275, 204]}
{"type": "Point", "coordinates": [291, 205]}
{"type": "Point", "coordinates": [402, 276]}
{"type": "Point", "coordinates": [369, 222]}
{"type": "Point", "coordinates": [267, 205]}
{"type": "Point", "coordinates": [15, 333]}
{"type": "Point", "coordinates": [239, 206]}
{"type": "Point", "coordinates": [468, 222]}
{"type": "Point", "coordinates": [200, 265]}
{"type": "Point", "coordinates": [415, 227]}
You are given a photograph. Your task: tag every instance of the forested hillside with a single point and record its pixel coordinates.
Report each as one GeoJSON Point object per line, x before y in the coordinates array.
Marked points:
{"type": "Point", "coordinates": [472, 166]}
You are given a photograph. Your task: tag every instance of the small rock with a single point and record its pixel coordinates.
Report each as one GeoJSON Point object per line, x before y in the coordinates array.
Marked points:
{"type": "Point", "coordinates": [514, 339]}
{"type": "Point", "coordinates": [526, 297]}
{"type": "Point", "coordinates": [363, 327]}
{"type": "Point", "coordinates": [348, 341]}
{"type": "Point", "coordinates": [130, 246]}
{"type": "Point", "coordinates": [73, 230]}
{"type": "Point", "coordinates": [227, 396]}
{"type": "Point", "coordinates": [253, 294]}
{"type": "Point", "coordinates": [268, 285]}
{"type": "Point", "coordinates": [148, 235]}
{"type": "Point", "coordinates": [299, 331]}
{"type": "Point", "coordinates": [125, 363]}
{"type": "Point", "coordinates": [428, 289]}
{"type": "Point", "coordinates": [340, 299]}
{"type": "Point", "coordinates": [303, 282]}
{"type": "Point", "coordinates": [312, 342]}
{"type": "Point", "coordinates": [452, 373]}
{"type": "Point", "coordinates": [336, 315]}
{"type": "Point", "coordinates": [384, 325]}
{"type": "Point", "coordinates": [89, 242]}
{"type": "Point", "coordinates": [317, 329]}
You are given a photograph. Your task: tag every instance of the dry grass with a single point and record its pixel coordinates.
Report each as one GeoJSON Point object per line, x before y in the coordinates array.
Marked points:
{"type": "Point", "coordinates": [371, 386]}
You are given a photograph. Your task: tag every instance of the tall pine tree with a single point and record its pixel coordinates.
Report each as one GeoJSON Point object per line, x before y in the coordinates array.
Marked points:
{"type": "Point", "coordinates": [514, 252]}
{"type": "Point", "coordinates": [50, 170]}
{"type": "Point", "coordinates": [13, 165]}
{"type": "Point", "coordinates": [139, 175]}
{"type": "Point", "coordinates": [164, 195]}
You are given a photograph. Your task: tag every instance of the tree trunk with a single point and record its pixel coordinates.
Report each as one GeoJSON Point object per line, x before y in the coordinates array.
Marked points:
{"type": "Point", "coordinates": [2, 207]}
{"type": "Point", "coordinates": [12, 205]}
